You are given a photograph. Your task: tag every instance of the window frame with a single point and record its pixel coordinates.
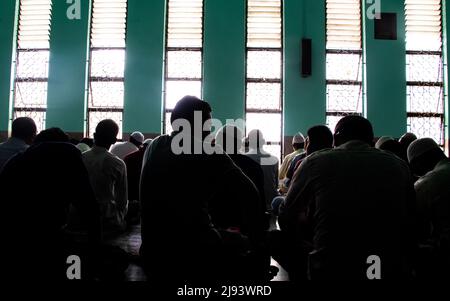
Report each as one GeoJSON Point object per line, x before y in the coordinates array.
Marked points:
{"type": "Point", "coordinates": [342, 82]}
{"type": "Point", "coordinates": [166, 111]}
{"type": "Point", "coordinates": [265, 80]}
{"type": "Point", "coordinates": [440, 84]}
{"type": "Point", "coordinates": [17, 110]}
{"type": "Point", "coordinates": [105, 79]}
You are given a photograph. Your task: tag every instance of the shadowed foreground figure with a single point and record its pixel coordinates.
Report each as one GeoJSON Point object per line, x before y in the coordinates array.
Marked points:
{"type": "Point", "coordinates": [38, 187]}
{"type": "Point", "coordinates": [345, 205]}
{"type": "Point", "coordinates": [230, 139]}
{"type": "Point", "coordinates": [428, 161]}
{"type": "Point", "coordinates": [198, 211]}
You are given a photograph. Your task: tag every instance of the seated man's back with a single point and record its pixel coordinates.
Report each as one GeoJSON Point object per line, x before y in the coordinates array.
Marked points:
{"type": "Point", "coordinates": [197, 209]}
{"type": "Point", "coordinates": [192, 190]}
{"type": "Point", "coordinates": [40, 184]}
{"type": "Point", "coordinates": [253, 171]}
{"type": "Point", "coordinates": [353, 202]}
{"type": "Point", "coordinates": [107, 174]}
{"type": "Point", "coordinates": [356, 199]}
{"type": "Point", "coordinates": [269, 166]}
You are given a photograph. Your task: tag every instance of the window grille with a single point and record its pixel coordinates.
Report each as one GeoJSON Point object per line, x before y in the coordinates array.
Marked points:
{"type": "Point", "coordinates": [343, 60]}
{"type": "Point", "coordinates": [33, 52]}
{"type": "Point", "coordinates": [424, 69]}
{"type": "Point", "coordinates": [184, 54]}
{"type": "Point", "coordinates": [107, 63]}
{"type": "Point", "coordinates": [264, 87]}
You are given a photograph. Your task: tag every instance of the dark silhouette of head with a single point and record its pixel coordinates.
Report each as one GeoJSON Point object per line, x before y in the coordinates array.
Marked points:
{"type": "Point", "coordinates": [319, 137]}
{"type": "Point", "coordinates": [24, 128]}
{"type": "Point", "coordinates": [353, 128]}
{"type": "Point", "coordinates": [407, 139]}
{"type": "Point", "coordinates": [394, 147]}
{"type": "Point", "coordinates": [230, 138]}
{"type": "Point", "coordinates": [256, 140]}
{"type": "Point", "coordinates": [186, 108]}
{"type": "Point", "coordinates": [52, 135]}
{"type": "Point", "coordinates": [423, 155]}
{"type": "Point", "coordinates": [106, 133]}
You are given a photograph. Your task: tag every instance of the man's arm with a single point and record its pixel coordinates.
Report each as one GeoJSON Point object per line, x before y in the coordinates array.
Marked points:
{"type": "Point", "coordinates": [121, 191]}
{"type": "Point", "coordinates": [293, 209]}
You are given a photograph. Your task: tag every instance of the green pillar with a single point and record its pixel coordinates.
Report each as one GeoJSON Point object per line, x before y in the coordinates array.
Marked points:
{"type": "Point", "coordinates": [304, 98]}
{"type": "Point", "coordinates": [8, 12]}
{"type": "Point", "coordinates": [144, 66]}
{"type": "Point", "coordinates": [224, 58]}
{"type": "Point", "coordinates": [67, 71]}
{"type": "Point", "coordinates": [386, 74]}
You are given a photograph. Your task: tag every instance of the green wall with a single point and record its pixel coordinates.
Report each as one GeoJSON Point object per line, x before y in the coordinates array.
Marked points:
{"type": "Point", "coordinates": [7, 21]}
{"type": "Point", "coordinates": [144, 68]}
{"type": "Point", "coordinates": [67, 70]}
{"type": "Point", "coordinates": [224, 58]}
{"type": "Point", "coordinates": [386, 75]}
{"type": "Point", "coordinates": [304, 98]}
{"type": "Point", "coordinates": [224, 66]}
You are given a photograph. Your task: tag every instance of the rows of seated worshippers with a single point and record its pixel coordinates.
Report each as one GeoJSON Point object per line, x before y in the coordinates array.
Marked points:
{"type": "Point", "coordinates": [353, 200]}
{"type": "Point", "coordinates": [205, 216]}
{"type": "Point", "coordinates": [65, 197]}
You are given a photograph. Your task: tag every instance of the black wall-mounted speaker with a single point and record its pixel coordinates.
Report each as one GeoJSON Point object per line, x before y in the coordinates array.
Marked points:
{"type": "Point", "coordinates": [306, 57]}
{"type": "Point", "coordinates": [386, 27]}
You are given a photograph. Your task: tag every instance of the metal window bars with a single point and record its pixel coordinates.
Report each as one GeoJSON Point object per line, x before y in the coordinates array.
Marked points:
{"type": "Point", "coordinates": [107, 63]}
{"type": "Point", "coordinates": [32, 60]}
{"type": "Point", "coordinates": [264, 64]}
{"type": "Point", "coordinates": [343, 60]}
{"type": "Point", "coordinates": [424, 69]}
{"type": "Point", "coordinates": [183, 55]}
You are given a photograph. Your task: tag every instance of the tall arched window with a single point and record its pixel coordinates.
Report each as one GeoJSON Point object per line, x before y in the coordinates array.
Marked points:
{"type": "Point", "coordinates": [33, 52]}
{"type": "Point", "coordinates": [107, 63]}
{"type": "Point", "coordinates": [264, 106]}
{"type": "Point", "coordinates": [424, 66]}
{"type": "Point", "coordinates": [344, 60]}
{"type": "Point", "coordinates": [184, 54]}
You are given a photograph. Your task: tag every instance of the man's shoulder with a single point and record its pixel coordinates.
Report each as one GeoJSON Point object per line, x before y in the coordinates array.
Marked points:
{"type": "Point", "coordinates": [13, 144]}
{"type": "Point", "coordinates": [121, 147]}
{"type": "Point", "coordinates": [291, 156]}
{"type": "Point", "coordinates": [439, 174]}
{"type": "Point", "coordinates": [118, 144]}
{"type": "Point", "coordinates": [88, 154]}
{"type": "Point", "coordinates": [318, 155]}
{"type": "Point", "coordinates": [114, 159]}
{"type": "Point", "coordinates": [370, 153]}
